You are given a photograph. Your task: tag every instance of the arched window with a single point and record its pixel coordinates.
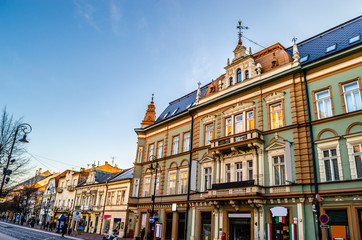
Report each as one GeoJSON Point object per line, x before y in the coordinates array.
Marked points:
{"type": "Point", "coordinates": [238, 75]}
{"type": "Point", "coordinates": [231, 81]}
{"type": "Point", "coordinates": [246, 74]}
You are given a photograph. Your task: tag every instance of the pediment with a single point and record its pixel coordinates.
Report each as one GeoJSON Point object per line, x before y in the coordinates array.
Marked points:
{"type": "Point", "coordinates": [207, 158]}
{"type": "Point", "coordinates": [275, 145]}
{"type": "Point", "coordinates": [274, 96]}
{"type": "Point", "coordinates": [240, 107]}
{"type": "Point", "coordinates": [208, 118]}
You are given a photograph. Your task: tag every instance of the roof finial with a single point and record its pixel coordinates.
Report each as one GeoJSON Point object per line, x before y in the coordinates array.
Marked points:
{"type": "Point", "coordinates": [199, 83]}
{"type": "Point", "coordinates": [152, 97]}
{"type": "Point", "coordinates": [295, 50]}
{"type": "Point", "coordinates": [294, 40]}
{"type": "Point", "coordinates": [240, 27]}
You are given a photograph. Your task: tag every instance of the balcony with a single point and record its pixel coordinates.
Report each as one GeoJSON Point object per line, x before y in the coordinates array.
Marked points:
{"type": "Point", "coordinates": [242, 188]}
{"type": "Point", "coordinates": [237, 140]}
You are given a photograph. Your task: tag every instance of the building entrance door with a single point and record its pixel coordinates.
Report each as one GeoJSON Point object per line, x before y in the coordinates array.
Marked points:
{"type": "Point", "coordinates": [239, 226]}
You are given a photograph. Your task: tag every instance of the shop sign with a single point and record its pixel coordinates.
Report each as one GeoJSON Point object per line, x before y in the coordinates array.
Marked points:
{"type": "Point", "coordinates": [279, 211]}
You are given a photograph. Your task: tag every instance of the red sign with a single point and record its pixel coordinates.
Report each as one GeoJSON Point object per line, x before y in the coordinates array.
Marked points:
{"type": "Point", "coordinates": [324, 218]}
{"type": "Point", "coordinates": [107, 216]}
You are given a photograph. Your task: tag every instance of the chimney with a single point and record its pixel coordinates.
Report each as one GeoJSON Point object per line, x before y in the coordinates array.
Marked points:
{"type": "Point", "coordinates": [106, 163]}
{"type": "Point", "coordinates": [36, 173]}
{"type": "Point", "coordinates": [39, 171]}
{"type": "Point", "coordinates": [98, 164]}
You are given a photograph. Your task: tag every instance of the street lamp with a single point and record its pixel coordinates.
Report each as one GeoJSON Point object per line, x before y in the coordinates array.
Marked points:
{"type": "Point", "coordinates": [152, 159]}
{"type": "Point", "coordinates": [26, 129]}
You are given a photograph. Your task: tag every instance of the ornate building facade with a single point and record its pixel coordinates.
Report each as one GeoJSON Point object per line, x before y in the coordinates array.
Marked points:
{"type": "Point", "coordinates": [261, 151]}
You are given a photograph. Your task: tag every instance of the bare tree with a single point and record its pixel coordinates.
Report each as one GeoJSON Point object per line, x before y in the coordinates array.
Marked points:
{"type": "Point", "coordinates": [20, 162]}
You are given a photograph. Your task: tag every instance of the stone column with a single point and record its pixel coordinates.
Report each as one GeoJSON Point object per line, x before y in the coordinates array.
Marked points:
{"type": "Point", "coordinates": [300, 208]}
{"type": "Point", "coordinates": [216, 223]}
{"type": "Point", "coordinates": [192, 237]}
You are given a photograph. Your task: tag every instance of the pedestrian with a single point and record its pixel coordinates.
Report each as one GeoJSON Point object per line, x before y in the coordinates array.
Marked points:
{"type": "Point", "coordinates": [47, 226]}
{"type": "Point", "coordinates": [32, 223]}
{"type": "Point", "coordinates": [223, 236]}
{"type": "Point", "coordinates": [64, 229]}
{"type": "Point", "coordinates": [113, 235]}
{"type": "Point", "coordinates": [69, 230]}
{"type": "Point", "coordinates": [143, 231]}
{"type": "Point", "coordinates": [51, 227]}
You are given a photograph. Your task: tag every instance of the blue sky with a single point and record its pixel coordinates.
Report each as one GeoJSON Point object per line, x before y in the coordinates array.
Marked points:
{"type": "Point", "coordinates": [82, 72]}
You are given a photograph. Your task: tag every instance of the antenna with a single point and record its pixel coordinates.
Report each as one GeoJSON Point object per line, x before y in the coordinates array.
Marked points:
{"type": "Point", "coordinates": [241, 27]}
{"type": "Point", "coordinates": [113, 157]}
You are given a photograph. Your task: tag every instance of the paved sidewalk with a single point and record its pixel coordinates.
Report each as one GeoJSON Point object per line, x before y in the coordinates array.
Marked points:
{"type": "Point", "coordinates": [6, 237]}
{"type": "Point", "coordinates": [74, 234]}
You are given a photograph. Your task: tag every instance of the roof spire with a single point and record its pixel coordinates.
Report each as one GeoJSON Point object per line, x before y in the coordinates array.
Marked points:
{"type": "Point", "coordinates": [150, 116]}
{"type": "Point", "coordinates": [240, 34]}
{"type": "Point", "coordinates": [295, 50]}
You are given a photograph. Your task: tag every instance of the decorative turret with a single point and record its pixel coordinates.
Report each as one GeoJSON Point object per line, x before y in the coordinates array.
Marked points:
{"type": "Point", "coordinates": [150, 116]}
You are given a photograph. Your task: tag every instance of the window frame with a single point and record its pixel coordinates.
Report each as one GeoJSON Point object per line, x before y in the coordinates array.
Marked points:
{"type": "Point", "coordinates": [231, 125]}
{"type": "Point", "coordinates": [172, 173]}
{"type": "Point", "coordinates": [144, 190]}
{"type": "Point", "coordinates": [178, 144]}
{"type": "Point", "coordinates": [247, 74]}
{"type": "Point", "coordinates": [239, 75]}
{"type": "Point", "coordinates": [353, 139]}
{"type": "Point", "coordinates": [213, 132]}
{"type": "Point", "coordinates": [279, 163]}
{"type": "Point", "coordinates": [341, 84]}
{"type": "Point", "coordinates": [183, 141]}
{"type": "Point", "coordinates": [207, 176]}
{"type": "Point", "coordinates": [330, 158]}
{"type": "Point", "coordinates": [136, 185]}
{"type": "Point", "coordinates": [269, 104]}
{"type": "Point", "coordinates": [181, 179]}
{"type": "Point", "coordinates": [239, 170]}
{"type": "Point", "coordinates": [315, 101]}
{"type": "Point", "coordinates": [162, 150]}
{"type": "Point", "coordinates": [250, 176]}
{"type": "Point", "coordinates": [231, 81]}
{"type": "Point", "coordinates": [153, 150]}
{"type": "Point", "coordinates": [227, 172]}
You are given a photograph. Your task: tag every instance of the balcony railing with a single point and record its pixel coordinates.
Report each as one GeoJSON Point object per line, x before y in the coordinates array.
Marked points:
{"type": "Point", "coordinates": [234, 188]}
{"type": "Point", "coordinates": [237, 138]}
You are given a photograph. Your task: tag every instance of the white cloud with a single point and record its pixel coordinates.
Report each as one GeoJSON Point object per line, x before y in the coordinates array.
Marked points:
{"type": "Point", "coordinates": [116, 17]}
{"type": "Point", "coordinates": [86, 11]}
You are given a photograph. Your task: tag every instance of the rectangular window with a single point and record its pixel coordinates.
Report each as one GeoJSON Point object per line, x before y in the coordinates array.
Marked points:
{"type": "Point", "coordinates": [123, 196]}
{"type": "Point", "coordinates": [324, 106]}
{"type": "Point", "coordinates": [146, 187]}
{"type": "Point", "coordinates": [352, 97]}
{"type": "Point", "coordinates": [239, 172]}
{"type": "Point", "coordinates": [186, 145]}
{"type": "Point", "coordinates": [357, 154]}
{"type": "Point", "coordinates": [250, 120]}
{"type": "Point", "coordinates": [276, 115]}
{"type": "Point", "coordinates": [209, 133]}
{"type": "Point", "coordinates": [108, 199]}
{"type": "Point", "coordinates": [331, 164]}
{"type": "Point", "coordinates": [151, 149]}
{"type": "Point", "coordinates": [140, 153]}
{"type": "Point", "coordinates": [118, 200]}
{"type": "Point", "coordinates": [239, 124]}
{"type": "Point", "coordinates": [112, 198]}
{"type": "Point", "coordinates": [279, 170]}
{"type": "Point", "coordinates": [250, 170]}
{"type": "Point", "coordinates": [160, 149]}
{"type": "Point", "coordinates": [207, 178]}
{"type": "Point", "coordinates": [228, 126]}
{"type": "Point", "coordinates": [172, 184]}
{"type": "Point", "coordinates": [183, 182]}
{"type": "Point", "coordinates": [227, 173]}
{"type": "Point", "coordinates": [136, 187]}
{"type": "Point", "coordinates": [175, 142]}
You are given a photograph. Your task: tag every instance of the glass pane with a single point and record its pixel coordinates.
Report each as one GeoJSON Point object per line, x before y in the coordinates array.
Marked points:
{"type": "Point", "coordinates": [282, 174]}
{"type": "Point", "coordinates": [335, 169]}
{"type": "Point", "coordinates": [275, 160]}
{"type": "Point", "coordinates": [329, 107]}
{"type": "Point", "coordinates": [325, 153]}
{"type": "Point", "coordinates": [321, 110]}
{"type": "Point", "coordinates": [333, 152]}
{"type": "Point", "coordinates": [238, 123]}
{"type": "Point", "coordinates": [358, 162]}
{"type": "Point", "coordinates": [323, 94]}
{"type": "Point", "coordinates": [327, 167]}
{"type": "Point", "coordinates": [349, 102]}
{"type": "Point", "coordinates": [274, 120]}
{"type": "Point", "coordinates": [276, 175]}
{"type": "Point", "coordinates": [357, 99]}
{"type": "Point", "coordinates": [281, 159]}
{"type": "Point", "coordinates": [351, 86]}
{"type": "Point", "coordinates": [228, 127]}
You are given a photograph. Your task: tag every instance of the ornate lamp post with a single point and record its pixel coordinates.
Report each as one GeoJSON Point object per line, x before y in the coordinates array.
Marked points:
{"type": "Point", "coordinates": [152, 159]}
{"type": "Point", "coordinates": [26, 129]}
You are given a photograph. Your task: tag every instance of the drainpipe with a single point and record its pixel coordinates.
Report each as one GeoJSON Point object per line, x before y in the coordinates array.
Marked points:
{"type": "Point", "coordinates": [104, 206]}
{"type": "Point", "coordinates": [313, 150]}
{"type": "Point", "coordinates": [189, 175]}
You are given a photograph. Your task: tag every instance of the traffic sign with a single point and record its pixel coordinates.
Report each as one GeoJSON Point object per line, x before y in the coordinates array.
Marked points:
{"type": "Point", "coordinates": [76, 215]}
{"type": "Point", "coordinates": [324, 218]}
{"type": "Point", "coordinates": [152, 220]}
{"type": "Point", "coordinates": [2, 200]}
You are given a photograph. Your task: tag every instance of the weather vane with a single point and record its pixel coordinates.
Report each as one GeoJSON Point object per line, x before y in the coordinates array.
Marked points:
{"type": "Point", "coordinates": [241, 27]}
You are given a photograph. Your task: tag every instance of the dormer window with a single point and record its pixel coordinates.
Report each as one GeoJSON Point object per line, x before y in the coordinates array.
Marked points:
{"type": "Point", "coordinates": [238, 75]}
{"type": "Point", "coordinates": [354, 39]}
{"type": "Point", "coordinates": [175, 111]}
{"type": "Point", "coordinates": [166, 115]}
{"type": "Point", "coordinates": [331, 48]}
{"type": "Point", "coordinates": [246, 74]}
{"type": "Point", "coordinates": [231, 81]}
{"type": "Point", "coordinates": [188, 106]}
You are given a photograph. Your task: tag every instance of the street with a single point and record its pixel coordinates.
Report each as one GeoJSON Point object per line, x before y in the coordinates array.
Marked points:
{"type": "Point", "coordinates": [20, 232]}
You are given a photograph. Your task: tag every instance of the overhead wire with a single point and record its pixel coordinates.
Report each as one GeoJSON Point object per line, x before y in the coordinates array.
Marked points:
{"type": "Point", "coordinates": [54, 160]}
{"type": "Point", "coordinates": [253, 42]}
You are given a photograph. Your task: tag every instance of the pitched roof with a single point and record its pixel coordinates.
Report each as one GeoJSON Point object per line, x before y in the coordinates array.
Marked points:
{"type": "Point", "coordinates": [181, 104]}
{"type": "Point", "coordinates": [125, 174]}
{"type": "Point", "coordinates": [316, 47]}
